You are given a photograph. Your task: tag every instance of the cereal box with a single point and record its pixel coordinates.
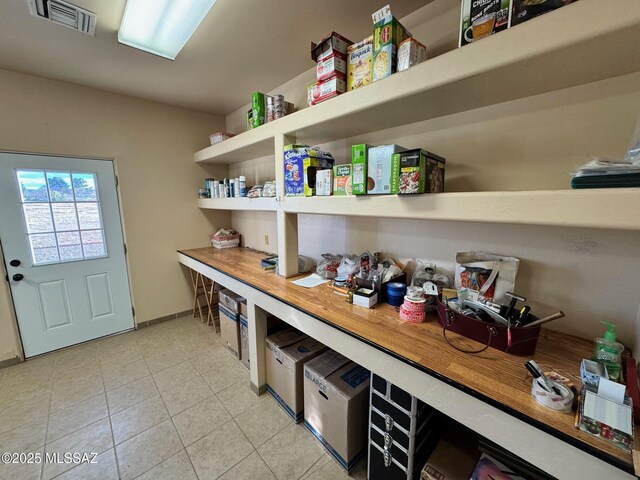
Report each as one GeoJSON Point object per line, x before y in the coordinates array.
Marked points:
{"type": "Point", "coordinates": [342, 180]}
{"type": "Point", "coordinates": [410, 53]}
{"type": "Point", "coordinates": [329, 88]}
{"type": "Point", "coordinates": [329, 66]}
{"type": "Point", "coordinates": [332, 44]}
{"type": "Point", "coordinates": [359, 64]}
{"type": "Point", "coordinates": [379, 172]}
{"type": "Point", "coordinates": [359, 168]}
{"type": "Point", "coordinates": [300, 165]}
{"type": "Point", "coordinates": [387, 35]}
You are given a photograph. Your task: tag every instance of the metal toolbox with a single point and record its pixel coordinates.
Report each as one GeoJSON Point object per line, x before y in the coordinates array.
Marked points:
{"type": "Point", "coordinates": [402, 432]}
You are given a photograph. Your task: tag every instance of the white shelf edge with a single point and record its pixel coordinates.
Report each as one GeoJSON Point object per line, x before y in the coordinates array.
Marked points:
{"type": "Point", "coordinates": [266, 204]}
{"type": "Point", "coordinates": [589, 208]}
{"type": "Point", "coordinates": [545, 36]}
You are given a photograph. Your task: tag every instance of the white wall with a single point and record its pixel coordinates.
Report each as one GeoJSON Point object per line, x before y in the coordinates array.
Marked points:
{"type": "Point", "coordinates": [152, 145]}
{"type": "Point", "coordinates": [529, 144]}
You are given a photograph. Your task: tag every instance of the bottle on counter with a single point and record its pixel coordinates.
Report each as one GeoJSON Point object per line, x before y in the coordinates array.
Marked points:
{"type": "Point", "coordinates": [609, 352]}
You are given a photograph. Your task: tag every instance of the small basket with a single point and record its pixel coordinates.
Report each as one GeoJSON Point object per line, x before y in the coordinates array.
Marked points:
{"type": "Point", "coordinates": [225, 241]}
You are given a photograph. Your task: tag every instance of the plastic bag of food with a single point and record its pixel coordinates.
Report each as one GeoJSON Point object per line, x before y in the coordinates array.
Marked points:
{"type": "Point", "coordinates": [269, 189]}
{"type": "Point", "coordinates": [328, 266]}
{"type": "Point", "coordinates": [488, 274]}
{"type": "Point", "coordinates": [348, 266]}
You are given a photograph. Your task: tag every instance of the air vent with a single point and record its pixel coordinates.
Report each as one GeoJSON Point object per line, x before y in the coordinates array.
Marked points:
{"type": "Point", "coordinates": [65, 14]}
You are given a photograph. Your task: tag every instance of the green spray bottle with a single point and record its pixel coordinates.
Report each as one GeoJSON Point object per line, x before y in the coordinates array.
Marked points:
{"type": "Point", "coordinates": [608, 352]}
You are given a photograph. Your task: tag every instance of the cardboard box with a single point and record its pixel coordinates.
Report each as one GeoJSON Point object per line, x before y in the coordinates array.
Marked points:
{"type": "Point", "coordinates": [243, 308]}
{"type": "Point", "coordinates": [360, 64]}
{"type": "Point", "coordinates": [481, 19]}
{"type": "Point", "coordinates": [410, 52]}
{"type": "Point", "coordinates": [411, 175]}
{"type": "Point", "coordinates": [328, 88]}
{"type": "Point", "coordinates": [330, 66]}
{"type": "Point", "coordinates": [365, 297]}
{"type": "Point", "coordinates": [332, 44]}
{"type": "Point", "coordinates": [526, 10]}
{"type": "Point", "coordinates": [455, 456]}
{"type": "Point", "coordinates": [342, 180]}
{"type": "Point", "coordinates": [379, 171]}
{"type": "Point", "coordinates": [324, 182]}
{"type": "Point", "coordinates": [434, 177]}
{"type": "Point", "coordinates": [230, 300]}
{"type": "Point", "coordinates": [336, 406]}
{"type": "Point", "coordinates": [244, 341]}
{"type": "Point", "coordinates": [359, 168]}
{"type": "Point", "coordinates": [258, 108]}
{"type": "Point", "coordinates": [298, 180]}
{"type": "Point", "coordinates": [230, 330]}
{"type": "Point", "coordinates": [286, 352]}
{"type": "Point", "coordinates": [388, 32]}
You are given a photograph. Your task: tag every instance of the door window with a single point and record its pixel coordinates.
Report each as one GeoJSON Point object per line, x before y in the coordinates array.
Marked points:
{"type": "Point", "coordinates": [62, 215]}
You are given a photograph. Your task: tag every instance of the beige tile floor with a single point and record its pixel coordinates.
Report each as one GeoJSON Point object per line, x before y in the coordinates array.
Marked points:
{"type": "Point", "coordinates": [164, 402]}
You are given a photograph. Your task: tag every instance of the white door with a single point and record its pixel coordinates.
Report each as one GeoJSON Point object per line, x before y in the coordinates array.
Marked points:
{"type": "Point", "coordinates": [64, 250]}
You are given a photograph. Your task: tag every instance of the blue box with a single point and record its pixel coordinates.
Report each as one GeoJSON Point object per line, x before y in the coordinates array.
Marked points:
{"type": "Point", "coordinates": [300, 165]}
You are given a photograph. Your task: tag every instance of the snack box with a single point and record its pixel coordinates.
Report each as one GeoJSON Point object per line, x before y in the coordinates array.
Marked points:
{"type": "Point", "coordinates": [379, 172]}
{"type": "Point", "coordinates": [410, 52]}
{"type": "Point", "coordinates": [342, 180]}
{"type": "Point", "coordinates": [488, 17]}
{"type": "Point", "coordinates": [359, 168]}
{"type": "Point", "coordinates": [359, 64]}
{"type": "Point", "coordinates": [410, 172]}
{"type": "Point", "coordinates": [329, 88]}
{"type": "Point", "coordinates": [332, 44]}
{"type": "Point", "coordinates": [300, 165]}
{"type": "Point", "coordinates": [388, 32]}
{"type": "Point", "coordinates": [310, 89]}
{"type": "Point", "coordinates": [258, 109]}
{"type": "Point", "coordinates": [329, 66]}
{"type": "Point", "coordinates": [324, 182]}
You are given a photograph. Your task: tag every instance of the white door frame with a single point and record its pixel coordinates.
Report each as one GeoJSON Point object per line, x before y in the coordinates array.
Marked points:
{"type": "Point", "coordinates": [12, 308]}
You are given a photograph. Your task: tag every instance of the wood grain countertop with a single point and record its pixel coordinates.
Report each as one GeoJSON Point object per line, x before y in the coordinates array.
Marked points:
{"type": "Point", "coordinates": [498, 378]}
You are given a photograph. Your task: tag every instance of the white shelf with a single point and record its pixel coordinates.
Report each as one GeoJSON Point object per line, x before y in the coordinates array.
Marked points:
{"type": "Point", "coordinates": [597, 208]}
{"type": "Point", "coordinates": [586, 41]}
{"type": "Point", "coordinates": [266, 204]}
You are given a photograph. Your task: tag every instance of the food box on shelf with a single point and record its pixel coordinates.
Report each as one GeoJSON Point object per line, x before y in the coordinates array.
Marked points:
{"type": "Point", "coordinates": [413, 171]}
{"type": "Point", "coordinates": [324, 182]}
{"type": "Point", "coordinates": [329, 88]}
{"type": "Point", "coordinates": [342, 180]}
{"type": "Point", "coordinates": [329, 66]}
{"type": "Point", "coordinates": [332, 44]}
{"type": "Point", "coordinates": [481, 19]}
{"type": "Point", "coordinates": [258, 109]}
{"type": "Point", "coordinates": [359, 64]}
{"type": "Point", "coordinates": [388, 32]}
{"type": "Point", "coordinates": [410, 52]}
{"type": "Point", "coordinates": [359, 168]}
{"type": "Point", "coordinates": [379, 172]}
{"type": "Point", "coordinates": [300, 165]}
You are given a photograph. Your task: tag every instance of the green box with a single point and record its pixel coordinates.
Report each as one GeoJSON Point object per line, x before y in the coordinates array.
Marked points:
{"type": "Point", "coordinates": [258, 109]}
{"type": "Point", "coordinates": [388, 32]}
{"type": "Point", "coordinates": [417, 171]}
{"type": "Point", "coordinates": [342, 180]}
{"type": "Point", "coordinates": [359, 168]}
{"type": "Point", "coordinates": [395, 173]}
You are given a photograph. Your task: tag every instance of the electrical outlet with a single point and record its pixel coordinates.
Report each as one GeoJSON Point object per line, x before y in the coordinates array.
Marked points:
{"type": "Point", "coordinates": [266, 239]}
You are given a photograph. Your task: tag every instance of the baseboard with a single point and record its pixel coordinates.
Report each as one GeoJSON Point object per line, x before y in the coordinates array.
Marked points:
{"type": "Point", "coordinates": [166, 318]}
{"type": "Point", "coordinates": [9, 362]}
{"type": "Point", "coordinates": [258, 390]}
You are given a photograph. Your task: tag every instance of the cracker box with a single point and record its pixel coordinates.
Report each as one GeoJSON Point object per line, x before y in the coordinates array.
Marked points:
{"type": "Point", "coordinates": [286, 353]}
{"type": "Point", "coordinates": [388, 32]}
{"type": "Point", "coordinates": [330, 66]}
{"type": "Point", "coordinates": [379, 171]}
{"type": "Point", "coordinates": [342, 180]}
{"type": "Point", "coordinates": [359, 168]}
{"type": "Point", "coordinates": [324, 182]}
{"type": "Point", "coordinates": [359, 64]}
{"type": "Point", "coordinates": [410, 52]}
{"type": "Point", "coordinates": [329, 88]}
{"type": "Point", "coordinates": [332, 44]}
{"type": "Point", "coordinates": [336, 406]}
{"type": "Point", "coordinates": [298, 179]}
{"type": "Point", "coordinates": [481, 19]}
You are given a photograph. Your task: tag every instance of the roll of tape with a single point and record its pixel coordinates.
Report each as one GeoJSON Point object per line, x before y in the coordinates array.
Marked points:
{"type": "Point", "coordinates": [561, 403]}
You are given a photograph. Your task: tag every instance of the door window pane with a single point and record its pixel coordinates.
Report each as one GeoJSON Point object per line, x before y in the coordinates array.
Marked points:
{"type": "Point", "coordinates": [84, 186]}
{"type": "Point", "coordinates": [33, 186]}
{"type": "Point", "coordinates": [93, 243]}
{"type": "Point", "coordinates": [60, 186]}
{"type": "Point", "coordinates": [37, 216]}
{"type": "Point", "coordinates": [44, 248]}
{"type": "Point", "coordinates": [64, 216]}
{"type": "Point", "coordinates": [89, 215]}
{"type": "Point", "coordinates": [69, 245]}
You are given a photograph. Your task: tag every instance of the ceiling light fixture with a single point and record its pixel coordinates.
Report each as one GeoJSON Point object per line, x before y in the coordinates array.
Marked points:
{"type": "Point", "coordinates": [161, 27]}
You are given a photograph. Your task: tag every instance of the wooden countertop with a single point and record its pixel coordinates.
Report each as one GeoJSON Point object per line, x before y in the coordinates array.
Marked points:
{"type": "Point", "coordinates": [498, 378]}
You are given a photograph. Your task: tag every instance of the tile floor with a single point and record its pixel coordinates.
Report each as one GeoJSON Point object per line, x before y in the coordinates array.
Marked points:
{"type": "Point", "coordinates": [164, 402]}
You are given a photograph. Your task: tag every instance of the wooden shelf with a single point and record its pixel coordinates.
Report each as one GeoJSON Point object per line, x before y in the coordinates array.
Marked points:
{"type": "Point", "coordinates": [597, 208]}
{"type": "Point", "coordinates": [548, 53]}
{"type": "Point", "coordinates": [267, 204]}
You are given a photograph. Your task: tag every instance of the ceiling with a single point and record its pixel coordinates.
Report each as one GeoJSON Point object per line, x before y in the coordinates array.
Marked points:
{"type": "Point", "coordinates": [240, 47]}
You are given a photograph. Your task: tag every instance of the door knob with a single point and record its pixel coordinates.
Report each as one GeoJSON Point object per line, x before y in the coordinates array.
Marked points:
{"type": "Point", "coordinates": [14, 263]}
{"type": "Point", "coordinates": [17, 277]}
